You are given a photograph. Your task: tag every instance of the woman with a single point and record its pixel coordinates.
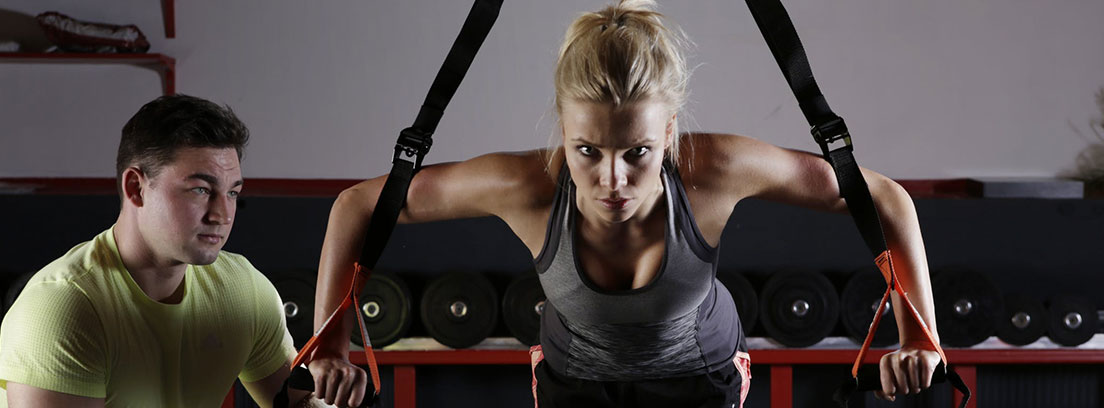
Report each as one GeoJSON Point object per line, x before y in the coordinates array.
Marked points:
{"type": "Point", "coordinates": [623, 222]}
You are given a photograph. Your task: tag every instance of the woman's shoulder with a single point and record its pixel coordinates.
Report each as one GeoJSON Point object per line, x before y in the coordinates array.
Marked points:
{"type": "Point", "coordinates": [530, 175]}
{"type": "Point", "coordinates": [710, 157]}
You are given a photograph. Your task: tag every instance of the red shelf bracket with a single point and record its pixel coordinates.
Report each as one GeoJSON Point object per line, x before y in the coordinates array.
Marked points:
{"type": "Point", "coordinates": [168, 14]}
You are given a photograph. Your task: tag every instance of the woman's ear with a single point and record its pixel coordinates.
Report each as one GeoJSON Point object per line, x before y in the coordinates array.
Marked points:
{"type": "Point", "coordinates": [672, 127]}
{"type": "Point", "coordinates": [133, 183]}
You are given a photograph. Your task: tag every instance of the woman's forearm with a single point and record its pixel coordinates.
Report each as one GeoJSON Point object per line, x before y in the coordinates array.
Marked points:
{"type": "Point", "coordinates": [345, 231]}
{"type": "Point", "coordinates": [902, 230]}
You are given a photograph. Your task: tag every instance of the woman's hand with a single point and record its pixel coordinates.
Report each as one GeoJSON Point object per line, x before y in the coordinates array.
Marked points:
{"type": "Point", "coordinates": [337, 381]}
{"type": "Point", "coordinates": [907, 371]}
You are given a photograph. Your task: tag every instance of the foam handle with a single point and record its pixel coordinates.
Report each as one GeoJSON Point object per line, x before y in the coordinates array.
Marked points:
{"type": "Point", "coordinates": [301, 379]}
{"type": "Point", "coordinates": [869, 379]}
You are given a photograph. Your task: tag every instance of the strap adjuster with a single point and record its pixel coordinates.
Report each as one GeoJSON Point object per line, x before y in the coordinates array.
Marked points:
{"type": "Point", "coordinates": [412, 146]}
{"type": "Point", "coordinates": [830, 134]}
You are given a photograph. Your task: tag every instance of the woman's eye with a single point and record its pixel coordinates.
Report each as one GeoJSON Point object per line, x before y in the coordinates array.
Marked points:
{"type": "Point", "coordinates": [639, 151]}
{"type": "Point", "coordinates": [586, 150]}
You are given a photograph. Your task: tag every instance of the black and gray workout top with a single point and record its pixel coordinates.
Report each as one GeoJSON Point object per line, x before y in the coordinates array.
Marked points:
{"type": "Point", "coordinates": [682, 323]}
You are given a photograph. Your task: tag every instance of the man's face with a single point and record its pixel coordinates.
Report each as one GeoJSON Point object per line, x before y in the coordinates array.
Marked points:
{"type": "Point", "coordinates": [189, 206]}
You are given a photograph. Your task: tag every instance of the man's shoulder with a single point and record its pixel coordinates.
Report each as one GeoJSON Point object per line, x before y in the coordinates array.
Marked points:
{"type": "Point", "coordinates": [81, 263]}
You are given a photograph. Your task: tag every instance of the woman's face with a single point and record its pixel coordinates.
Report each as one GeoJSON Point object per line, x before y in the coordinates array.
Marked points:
{"type": "Point", "coordinates": [615, 154]}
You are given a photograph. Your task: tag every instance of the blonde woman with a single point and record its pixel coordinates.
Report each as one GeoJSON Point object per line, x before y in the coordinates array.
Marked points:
{"type": "Point", "coordinates": [623, 222]}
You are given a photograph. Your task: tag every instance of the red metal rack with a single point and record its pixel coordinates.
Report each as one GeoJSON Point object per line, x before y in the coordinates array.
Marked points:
{"type": "Point", "coordinates": [162, 64]}
{"type": "Point", "coordinates": [781, 362]}
{"type": "Point", "coordinates": [935, 188]}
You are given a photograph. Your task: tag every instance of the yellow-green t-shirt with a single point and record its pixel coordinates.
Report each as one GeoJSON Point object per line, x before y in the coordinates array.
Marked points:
{"type": "Point", "coordinates": [83, 326]}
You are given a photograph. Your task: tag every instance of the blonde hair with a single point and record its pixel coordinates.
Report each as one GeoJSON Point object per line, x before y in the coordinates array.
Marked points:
{"type": "Point", "coordinates": [620, 55]}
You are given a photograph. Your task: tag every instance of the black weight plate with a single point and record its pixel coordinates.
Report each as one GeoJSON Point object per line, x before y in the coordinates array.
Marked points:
{"type": "Point", "coordinates": [798, 309]}
{"type": "Point", "coordinates": [1024, 320]}
{"type": "Point", "coordinates": [387, 308]}
{"type": "Point", "coordinates": [967, 306]}
{"type": "Point", "coordinates": [747, 302]}
{"type": "Point", "coordinates": [522, 305]}
{"type": "Point", "coordinates": [459, 309]}
{"type": "Point", "coordinates": [1072, 320]}
{"type": "Point", "coordinates": [858, 303]}
{"type": "Point", "coordinates": [296, 290]}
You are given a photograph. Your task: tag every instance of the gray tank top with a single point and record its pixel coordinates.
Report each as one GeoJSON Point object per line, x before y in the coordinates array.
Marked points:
{"type": "Point", "coordinates": [682, 323]}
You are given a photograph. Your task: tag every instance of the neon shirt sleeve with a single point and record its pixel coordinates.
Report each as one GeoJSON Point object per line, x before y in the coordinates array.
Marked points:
{"type": "Point", "coordinates": [52, 339]}
{"type": "Point", "coordinates": [272, 343]}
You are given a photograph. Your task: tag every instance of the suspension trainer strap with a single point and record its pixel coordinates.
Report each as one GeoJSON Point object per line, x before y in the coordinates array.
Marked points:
{"type": "Point", "coordinates": [831, 134]}
{"type": "Point", "coordinates": [410, 149]}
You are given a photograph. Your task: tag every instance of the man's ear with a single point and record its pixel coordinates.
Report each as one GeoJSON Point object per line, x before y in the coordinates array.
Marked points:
{"type": "Point", "coordinates": [134, 183]}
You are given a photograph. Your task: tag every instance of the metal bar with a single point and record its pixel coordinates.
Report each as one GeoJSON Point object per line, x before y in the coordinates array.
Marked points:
{"type": "Point", "coordinates": [969, 376]}
{"type": "Point", "coordinates": [228, 402]}
{"type": "Point", "coordinates": [781, 383]}
{"type": "Point", "coordinates": [405, 383]}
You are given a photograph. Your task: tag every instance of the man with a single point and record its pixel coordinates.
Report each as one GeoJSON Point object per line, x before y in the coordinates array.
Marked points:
{"type": "Point", "coordinates": [151, 312]}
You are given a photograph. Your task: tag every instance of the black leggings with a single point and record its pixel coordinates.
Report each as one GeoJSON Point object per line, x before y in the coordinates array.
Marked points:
{"type": "Point", "coordinates": [717, 389]}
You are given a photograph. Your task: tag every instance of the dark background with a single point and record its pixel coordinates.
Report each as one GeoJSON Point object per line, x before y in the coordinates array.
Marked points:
{"type": "Point", "coordinates": [1042, 247]}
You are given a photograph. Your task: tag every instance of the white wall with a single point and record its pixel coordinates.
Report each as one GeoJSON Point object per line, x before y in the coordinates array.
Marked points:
{"type": "Point", "coordinates": [930, 89]}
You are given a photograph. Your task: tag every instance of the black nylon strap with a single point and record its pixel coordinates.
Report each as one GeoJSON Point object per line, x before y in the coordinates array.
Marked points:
{"type": "Point", "coordinates": [785, 45]}
{"type": "Point", "coordinates": [413, 144]}
{"type": "Point", "coordinates": [479, 22]}
{"type": "Point", "coordinates": [828, 130]}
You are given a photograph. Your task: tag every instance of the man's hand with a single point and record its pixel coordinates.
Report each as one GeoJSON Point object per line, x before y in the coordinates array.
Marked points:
{"type": "Point", "coordinates": [907, 371]}
{"type": "Point", "coordinates": [337, 381]}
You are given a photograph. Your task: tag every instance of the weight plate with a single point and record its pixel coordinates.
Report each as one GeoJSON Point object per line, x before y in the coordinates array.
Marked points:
{"type": "Point", "coordinates": [798, 309]}
{"type": "Point", "coordinates": [296, 290]}
{"type": "Point", "coordinates": [1024, 320]}
{"type": "Point", "coordinates": [747, 302]}
{"type": "Point", "coordinates": [1072, 320]}
{"type": "Point", "coordinates": [967, 306]}
{"type": "Point", "coordinates": [459, 309]}
{"type": "Point", "coordinates": [858, 303]}
{"type": "Point", "coordinates": [522, 305]}
{"type": "Point", "coordinates": [387, 308]}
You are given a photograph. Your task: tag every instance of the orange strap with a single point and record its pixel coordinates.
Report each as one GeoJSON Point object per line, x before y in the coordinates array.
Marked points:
{"type": "Point", "coordinates": [885, 265]}
{"type": "Point", "coordinates": [306, 354]}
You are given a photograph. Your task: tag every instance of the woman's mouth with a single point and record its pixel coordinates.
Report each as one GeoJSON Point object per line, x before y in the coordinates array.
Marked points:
{"type": "Point", "coordinates": [614, 204]}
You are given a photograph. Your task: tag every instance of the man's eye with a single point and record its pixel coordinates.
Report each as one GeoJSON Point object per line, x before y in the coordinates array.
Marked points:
{"type": "Point", "coordinates": [639, 151]}
{"type": "Point", "coordinates": [234, 194]}
{"type": "Point", "coordinates": [201, 190]}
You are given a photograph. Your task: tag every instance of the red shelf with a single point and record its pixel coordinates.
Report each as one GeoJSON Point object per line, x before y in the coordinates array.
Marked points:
{"type": "Point", "coordinates": [950, 188]}
{"type": "Point", "coordinates": [768, 357]}
{"type": "Point", "coordinates": [780, 362]}
{"type": "Point", "coordinates": [163, 64]}
{"type": "Point", "coordinates": [168, 15]}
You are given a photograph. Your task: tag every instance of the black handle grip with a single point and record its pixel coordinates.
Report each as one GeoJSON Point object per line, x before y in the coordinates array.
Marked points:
{"type": "Point", "coordinates": [301, 379]}
{"type": "Point", "coordinates": [870, 377]}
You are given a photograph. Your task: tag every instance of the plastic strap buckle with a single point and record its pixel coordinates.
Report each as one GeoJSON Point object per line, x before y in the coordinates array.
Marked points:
{"type": "Point", "coordinates": [830, 134]}
{"type": "Point", "coordinates": [412, 146]}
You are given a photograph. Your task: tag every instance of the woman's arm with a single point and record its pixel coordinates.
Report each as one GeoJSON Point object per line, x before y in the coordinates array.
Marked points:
{"type": "Point", "coordinates": [472, 188]}
{"type": "Point", "coordinates": [804, 179]}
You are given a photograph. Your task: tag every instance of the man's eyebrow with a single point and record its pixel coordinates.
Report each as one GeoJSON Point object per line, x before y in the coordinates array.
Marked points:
{"type": "Point", "coordinates": [212, 180]}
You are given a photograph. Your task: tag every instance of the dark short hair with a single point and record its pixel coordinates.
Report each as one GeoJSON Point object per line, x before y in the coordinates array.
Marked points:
{"type": "Point", "coordinates": [152, 136]}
